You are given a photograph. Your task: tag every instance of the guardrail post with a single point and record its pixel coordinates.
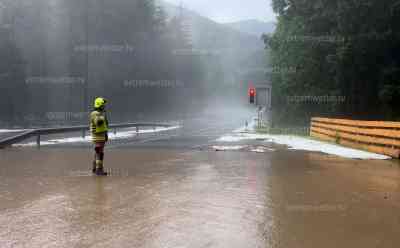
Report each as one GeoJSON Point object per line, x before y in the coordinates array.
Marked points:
{"type": "Point", "coordinates": [137, 130]}
{"type": "Point", "coordinates": [38, 141]}
{"type": "Point", "coordinates": [83, 133]}
{"type": "Point", "coordinates": [115, 131]}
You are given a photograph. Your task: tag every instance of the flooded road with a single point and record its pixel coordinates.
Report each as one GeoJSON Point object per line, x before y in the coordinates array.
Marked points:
{"type": "Point", "coordinates": [197, 198]}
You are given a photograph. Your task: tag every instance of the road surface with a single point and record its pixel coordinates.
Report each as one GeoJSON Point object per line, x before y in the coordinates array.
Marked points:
{"type": "Point", "coordinates": [176, 190]}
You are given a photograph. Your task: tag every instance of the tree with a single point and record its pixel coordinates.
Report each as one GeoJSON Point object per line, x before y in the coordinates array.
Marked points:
{"type": "Point", "coordinates": [12, 71]}
{"type": "Point", "coordinates": [347, 49]}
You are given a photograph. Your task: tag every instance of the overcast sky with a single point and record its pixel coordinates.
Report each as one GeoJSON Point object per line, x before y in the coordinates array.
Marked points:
{"type": "Point", "coordinates": [230, 10]}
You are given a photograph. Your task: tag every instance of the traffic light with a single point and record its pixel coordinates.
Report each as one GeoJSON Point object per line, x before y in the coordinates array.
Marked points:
{"type": "Point", "coordinates": [252, 95]}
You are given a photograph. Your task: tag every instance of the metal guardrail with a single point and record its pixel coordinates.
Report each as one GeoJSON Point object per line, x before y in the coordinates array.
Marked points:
{"type": "Point", "coordinates": [59, 130]}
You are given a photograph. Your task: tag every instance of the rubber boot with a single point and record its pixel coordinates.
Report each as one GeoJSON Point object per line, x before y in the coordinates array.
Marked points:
{"type": "Point", "coordinates": [101, 172]}
{"type": "Point", "coordinates": [99, 168]}
{"type": "Point", "coordinates": [94, 166]}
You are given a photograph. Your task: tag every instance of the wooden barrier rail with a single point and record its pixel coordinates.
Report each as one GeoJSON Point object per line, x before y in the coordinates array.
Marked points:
{"type": "Point", "coordinates": [374, 136]}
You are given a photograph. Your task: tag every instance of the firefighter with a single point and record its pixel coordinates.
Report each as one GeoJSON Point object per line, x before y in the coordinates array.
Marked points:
{"type": "Point", "coordinates": [99, 131]}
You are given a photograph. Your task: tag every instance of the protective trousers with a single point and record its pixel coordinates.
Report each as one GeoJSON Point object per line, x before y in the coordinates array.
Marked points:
{"type": "Point", "coordinates": [99, 155]}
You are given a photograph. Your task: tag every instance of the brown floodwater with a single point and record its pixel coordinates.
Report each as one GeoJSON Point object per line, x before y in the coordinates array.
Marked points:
{"type": "Point", "coordinates": [192, 198]}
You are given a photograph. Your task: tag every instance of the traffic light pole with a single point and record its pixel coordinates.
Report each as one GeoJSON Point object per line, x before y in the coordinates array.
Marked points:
{"type": "Point", "coordinates": [86, 85]}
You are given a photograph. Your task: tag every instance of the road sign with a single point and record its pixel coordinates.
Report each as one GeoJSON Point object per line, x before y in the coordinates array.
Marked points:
{"type": "Point", "coordinates": [264, 92]}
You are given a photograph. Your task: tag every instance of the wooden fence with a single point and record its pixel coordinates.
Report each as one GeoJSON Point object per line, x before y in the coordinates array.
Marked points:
{"type": "Point", "coordinates": [374, 136]}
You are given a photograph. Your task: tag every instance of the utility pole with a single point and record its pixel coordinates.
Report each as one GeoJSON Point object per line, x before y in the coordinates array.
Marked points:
{"type": "Point", "coordinates": [86, 84]}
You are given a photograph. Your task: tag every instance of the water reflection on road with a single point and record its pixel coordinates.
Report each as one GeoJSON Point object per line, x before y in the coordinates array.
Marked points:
{"type": "Point", "coordinates": [192, 198]}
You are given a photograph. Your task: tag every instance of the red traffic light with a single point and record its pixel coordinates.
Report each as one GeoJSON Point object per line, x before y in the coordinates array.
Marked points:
{"type": "Point", "coordinates": [252, 95]}
{"type": "Point", "coordinates": [252, 92]}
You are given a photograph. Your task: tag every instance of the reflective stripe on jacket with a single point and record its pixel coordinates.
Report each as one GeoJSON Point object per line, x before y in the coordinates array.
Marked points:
{"type": "Point", "coordinates": [98, 126]}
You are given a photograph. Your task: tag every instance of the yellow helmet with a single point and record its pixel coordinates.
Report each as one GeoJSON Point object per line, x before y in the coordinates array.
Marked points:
{"type": "Point", "coordinates": [100, 102]}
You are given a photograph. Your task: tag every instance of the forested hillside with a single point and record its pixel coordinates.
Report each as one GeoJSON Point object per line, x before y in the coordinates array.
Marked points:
{"type": "Point", "coordinates": [232, 58]}
{"type": "Point", "coordinates": [53, 50]}
{"type": "Point", "coordinates": [148, 61]}
{"type": "Point", "coordinates": [253, 27]}
{"type": "Point", "coordinates": [336, 58]}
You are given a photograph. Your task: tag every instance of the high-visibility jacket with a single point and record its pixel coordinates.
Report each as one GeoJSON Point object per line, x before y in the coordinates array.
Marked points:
{"type": "Point", "coordinates": [98, 125]}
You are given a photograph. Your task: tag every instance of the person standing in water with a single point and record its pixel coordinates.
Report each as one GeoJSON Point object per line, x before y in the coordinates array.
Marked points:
{"type": "Point", "coordinates": [99, 132]}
